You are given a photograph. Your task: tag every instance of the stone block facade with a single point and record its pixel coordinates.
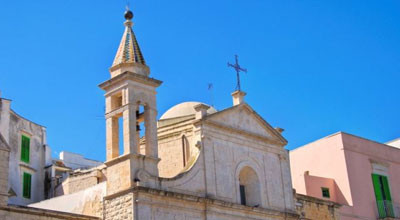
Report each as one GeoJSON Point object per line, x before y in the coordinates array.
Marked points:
{"type": "Point", "coordinates": [119, 207]}
{"type": "Point", "coordinates": [310, 208]}
{"type": "Point", "coordinates": [146, 203]}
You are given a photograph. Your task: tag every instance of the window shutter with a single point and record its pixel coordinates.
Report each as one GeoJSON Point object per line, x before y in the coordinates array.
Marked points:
{"type": "Point", "coordinates": [377, 187]}
{"type": "Point", "coordinates": [26, 185]}
{"type": "Point", "coordinates": [386, 188]}
{"type": "Point", "coordinates": [25, 142]}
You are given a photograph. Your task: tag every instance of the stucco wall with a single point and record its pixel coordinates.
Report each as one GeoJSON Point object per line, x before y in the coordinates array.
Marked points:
{"type": "Point", "coordinates": [77, 161]}
{"type": "Point", "coordinates": [322, 158]}
{"type": "Point", "coordinates": [361, 155]}
{"type": "Point", "coordinates": [349, 161]}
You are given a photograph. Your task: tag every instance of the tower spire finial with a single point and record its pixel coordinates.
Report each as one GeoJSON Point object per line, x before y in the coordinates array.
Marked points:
{"type": "Point", "coordinates": [128, 14]}
{"type": "Point", "coordinates": [129, 56]}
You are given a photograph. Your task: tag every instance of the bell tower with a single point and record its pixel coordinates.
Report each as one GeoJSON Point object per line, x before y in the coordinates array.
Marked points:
{"type": "Point", "coordinates": [131, 106]}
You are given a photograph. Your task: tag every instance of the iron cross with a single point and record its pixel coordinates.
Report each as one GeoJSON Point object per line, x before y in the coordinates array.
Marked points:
{"type": "Point", "coordinates": [238, 69]}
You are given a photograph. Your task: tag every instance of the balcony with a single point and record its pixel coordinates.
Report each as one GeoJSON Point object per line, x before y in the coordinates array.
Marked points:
{"type": "Point", "coordinates": [388, 210]}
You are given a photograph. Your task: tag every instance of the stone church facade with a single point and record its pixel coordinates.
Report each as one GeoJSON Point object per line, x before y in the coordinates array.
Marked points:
{"type": "Point", "coordinates": [193, 163]}
{"type": "Point", "coordinates": [233, 164]}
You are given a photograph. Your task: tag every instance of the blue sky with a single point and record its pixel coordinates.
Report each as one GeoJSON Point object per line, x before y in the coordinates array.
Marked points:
{"type": "Point", "coordinates": [314, 67]}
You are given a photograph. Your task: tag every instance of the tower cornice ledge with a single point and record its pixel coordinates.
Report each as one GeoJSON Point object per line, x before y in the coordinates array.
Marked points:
{"type": "Point", "coordinates": [130, 76]}
{"type": "Point", "coordinates": [125, 157]}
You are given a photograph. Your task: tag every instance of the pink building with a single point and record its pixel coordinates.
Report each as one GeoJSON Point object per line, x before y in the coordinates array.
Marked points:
{"type": "Point", "coordinates": [360, 174]}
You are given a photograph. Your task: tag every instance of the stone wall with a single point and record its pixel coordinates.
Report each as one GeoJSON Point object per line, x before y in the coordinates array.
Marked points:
{"type": "Point", "coordinates": [80, 180]}
{"type": "Point", "coordinates": [170, 148]}
{"type": "Point", "coordinates": [86, 202]}
{"type": "Point", "coordinates": [4, 157]}
{"type": "Point", "coordinates": [310, 208]}
{"type": "Point", "coordinates": [119, 206]}
{"type": "Point", "coordinates": [27, 213]}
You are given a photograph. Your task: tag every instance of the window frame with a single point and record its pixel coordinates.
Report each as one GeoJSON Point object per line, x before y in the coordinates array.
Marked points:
{"type": "Point", "coordinates": [325, 190]}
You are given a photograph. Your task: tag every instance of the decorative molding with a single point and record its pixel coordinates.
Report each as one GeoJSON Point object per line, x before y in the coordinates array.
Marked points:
{"type": "Point", "coordinates": [243, 132]}
{"type": "Point", "coordinates": [26, 166]}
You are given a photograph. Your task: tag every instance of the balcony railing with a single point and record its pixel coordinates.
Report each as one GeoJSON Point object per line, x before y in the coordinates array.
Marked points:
{"type": "Point", "coordinates": [388, 209]}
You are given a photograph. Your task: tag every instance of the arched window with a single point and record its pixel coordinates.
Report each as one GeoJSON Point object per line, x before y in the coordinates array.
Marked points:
{"type": "Point", "coordinates": [249, 187]}
{"type": "Point", "coordinates": [185, 150]}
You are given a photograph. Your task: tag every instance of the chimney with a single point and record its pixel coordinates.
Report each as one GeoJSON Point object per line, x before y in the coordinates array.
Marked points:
{"type": "Point", "coordinates": [238, 97]}
{"type": "Point", "coordinates": [201, 110]}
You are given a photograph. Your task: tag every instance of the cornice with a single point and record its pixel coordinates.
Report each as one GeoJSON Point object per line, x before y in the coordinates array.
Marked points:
{"type": "Point", "coordinates": [130, 76]}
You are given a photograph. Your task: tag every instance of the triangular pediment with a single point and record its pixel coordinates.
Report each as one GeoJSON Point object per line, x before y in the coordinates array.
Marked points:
{"type": "Point", "coordinates": [244, 119]}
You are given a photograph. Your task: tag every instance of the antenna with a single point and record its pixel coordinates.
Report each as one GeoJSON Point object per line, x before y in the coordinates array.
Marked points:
{"type": "Point", "coordinates": [210, 89]}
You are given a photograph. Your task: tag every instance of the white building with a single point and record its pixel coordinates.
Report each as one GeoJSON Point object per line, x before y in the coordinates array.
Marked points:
{"type": "Point", "coordinates": [29, 154]}
{"type": "Point", "coordinates": [394, 143]}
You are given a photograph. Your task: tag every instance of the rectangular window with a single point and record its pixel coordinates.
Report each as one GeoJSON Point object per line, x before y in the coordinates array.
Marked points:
{"type": "Point", "coordinates": [242, 195]}
{"type": "Point", "coordinates": [382, 196]}
{"type": "Point", "coordinates": [26, 185]}
{"type": "Point", "coordinates": [25, 145]}
{"type": "Point", "coordinates": [325, 192]}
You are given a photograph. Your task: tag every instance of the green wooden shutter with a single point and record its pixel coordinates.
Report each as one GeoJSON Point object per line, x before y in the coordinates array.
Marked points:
{"type": "Point", "coordinates": [386, 188]}
{"type": "Point", "coordinates": [26, 185]}
{"type": "Point", "coordinates": [378, 195]}
{"type": "Point", "coordinates": [25, 145]}
{"type": "Point", "coordinates": [377, 187]}
{"type": "Point", "coordinates": [388, 198]}
{"type": "Point", "coordinates": [382, 195]}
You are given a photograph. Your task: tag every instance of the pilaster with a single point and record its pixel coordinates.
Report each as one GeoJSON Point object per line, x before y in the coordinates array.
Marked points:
{"type": "Point", "coordinates": [131, 144]}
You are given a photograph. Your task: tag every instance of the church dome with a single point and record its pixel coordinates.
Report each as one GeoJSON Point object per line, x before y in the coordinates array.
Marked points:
{"type": "Point", "coordinates": [184, 109]}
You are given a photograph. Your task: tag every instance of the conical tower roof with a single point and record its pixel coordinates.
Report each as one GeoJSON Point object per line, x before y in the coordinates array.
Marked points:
{"type": "Point", "coordinates": [129, 53]}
